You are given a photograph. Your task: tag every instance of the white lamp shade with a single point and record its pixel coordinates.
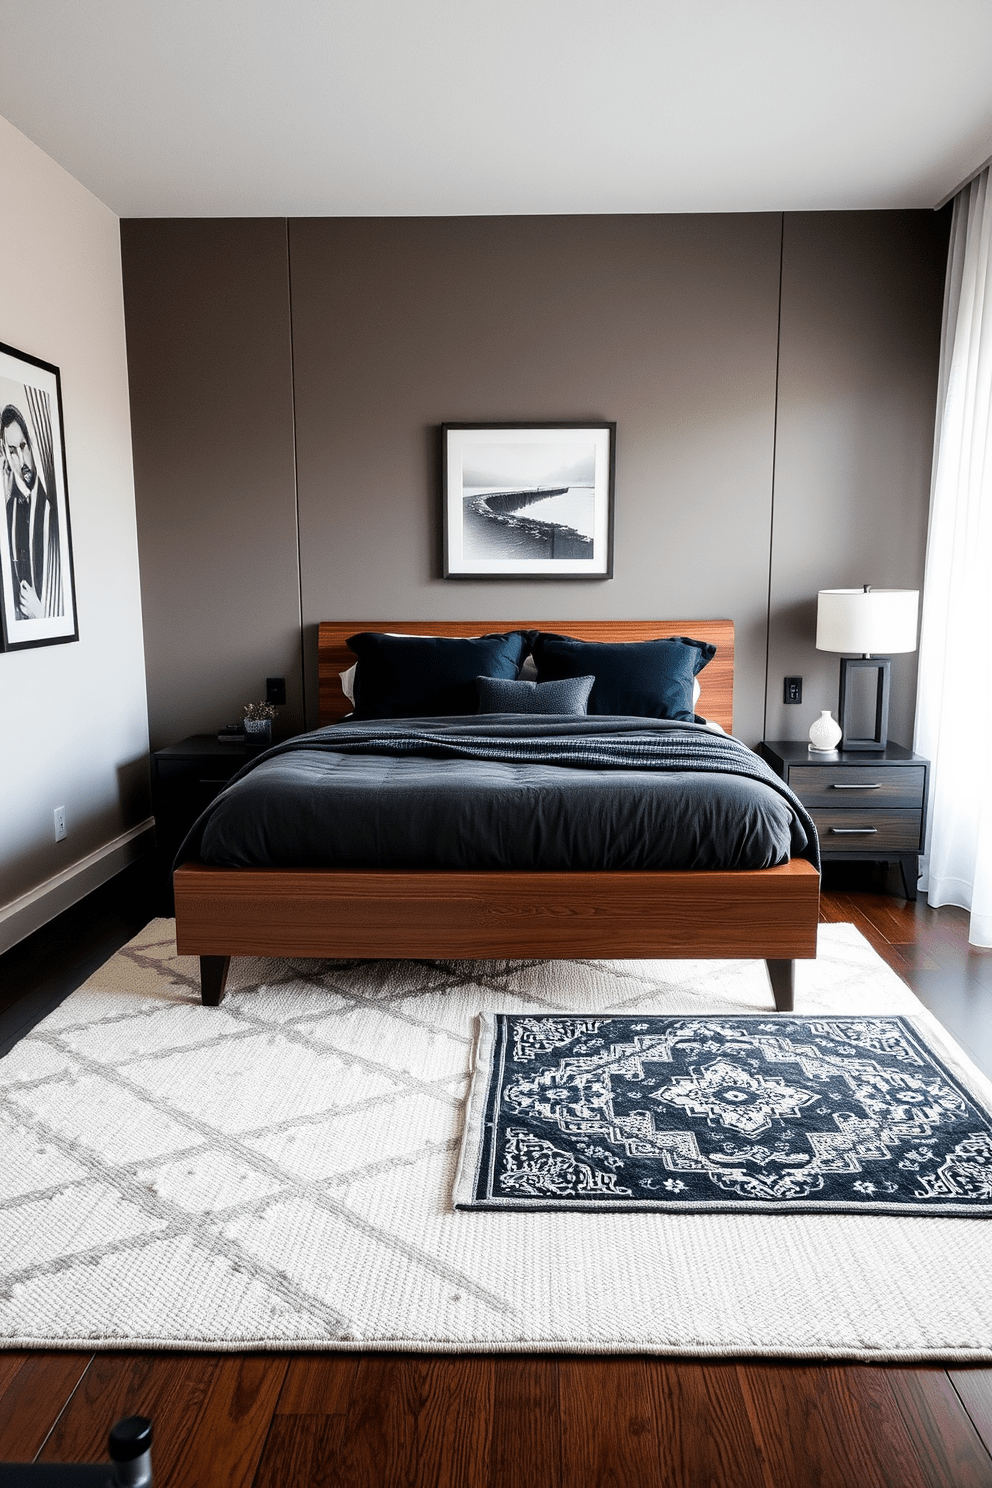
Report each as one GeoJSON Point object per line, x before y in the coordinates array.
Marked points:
{"type": "Point", "coordinates": [875, 622]}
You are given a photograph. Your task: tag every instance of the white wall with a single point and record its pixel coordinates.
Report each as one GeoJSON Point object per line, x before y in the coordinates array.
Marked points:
{"type": "Point", "coordinates": [73, 724]}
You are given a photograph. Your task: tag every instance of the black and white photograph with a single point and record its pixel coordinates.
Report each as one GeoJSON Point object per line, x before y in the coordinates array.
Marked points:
{"type": "Point", "coordinates": [38, 600]}
{"type": "Point", "coordinates": [528, 500]}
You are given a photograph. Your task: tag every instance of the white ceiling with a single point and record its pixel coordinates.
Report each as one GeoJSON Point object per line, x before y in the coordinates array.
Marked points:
{"type": "Point", "coordinates": [423, 107]}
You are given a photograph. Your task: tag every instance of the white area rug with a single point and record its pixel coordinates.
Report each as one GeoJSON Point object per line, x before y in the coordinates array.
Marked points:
{"type": "Point", "coordinates": [277, 1172]}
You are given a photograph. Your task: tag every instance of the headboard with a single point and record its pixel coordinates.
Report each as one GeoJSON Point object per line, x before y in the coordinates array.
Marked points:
{"type": "Point", "coordinates": [716, 700]}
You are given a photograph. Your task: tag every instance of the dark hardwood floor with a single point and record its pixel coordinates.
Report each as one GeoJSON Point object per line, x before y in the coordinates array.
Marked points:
{"type": "Point", "coordinates": [460, 1421]}
{"type": "Point", "coordinates": [40, 971]}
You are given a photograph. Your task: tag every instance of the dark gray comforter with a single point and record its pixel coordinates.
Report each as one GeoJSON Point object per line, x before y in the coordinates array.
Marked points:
{"type": "Point", "coordinates": [506, 791]}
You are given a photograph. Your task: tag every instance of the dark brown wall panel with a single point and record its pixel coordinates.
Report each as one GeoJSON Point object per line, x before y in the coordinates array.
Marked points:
{"type": "Point", "coordinates": [861, 307]}
{"type": "Point", "coordinates": [669, 325]}
{"type": "Point", "coordinates": [666, 324]}
{"type": "Point", "coordinates": [209, 365]}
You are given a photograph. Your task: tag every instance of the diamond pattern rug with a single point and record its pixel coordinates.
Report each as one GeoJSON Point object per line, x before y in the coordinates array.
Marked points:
{"type": "Point", "coordinates": [278, 1172]}
{"type": "Point", "coordinates": [699, 1113]}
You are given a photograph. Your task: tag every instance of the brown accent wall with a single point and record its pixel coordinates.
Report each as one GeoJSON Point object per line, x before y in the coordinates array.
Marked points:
{"type": "Point", "coordinates": [206, 308]}
{"type": "Point", "coordinates": [861, 306]}
{"type": "Point", "coordinates": [669, 325]}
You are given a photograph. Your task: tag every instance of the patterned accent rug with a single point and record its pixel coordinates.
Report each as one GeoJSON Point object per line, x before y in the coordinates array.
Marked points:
{"type": "Point", "coordinates": [277, 1173]}
{"type": "Point", "coordinates": [774, 1114]}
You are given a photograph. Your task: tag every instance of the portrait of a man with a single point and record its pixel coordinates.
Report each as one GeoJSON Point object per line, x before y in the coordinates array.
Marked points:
{"type": "Point", "coordinates": [37, 600]}
{"type": "Point", "coordinates": [32, 524]}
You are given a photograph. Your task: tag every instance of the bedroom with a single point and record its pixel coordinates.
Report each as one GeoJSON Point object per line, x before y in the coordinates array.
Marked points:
{"type": "Point", "coordinates": [255, 514]}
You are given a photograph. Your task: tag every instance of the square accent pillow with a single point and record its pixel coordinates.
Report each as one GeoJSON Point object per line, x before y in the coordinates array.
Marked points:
{"type": "Point", "coordinates": [428, 676]}
{"type": "Point", "coordinates": [647, 679]}
{"type": "Point", "coordinates": [568, 696]}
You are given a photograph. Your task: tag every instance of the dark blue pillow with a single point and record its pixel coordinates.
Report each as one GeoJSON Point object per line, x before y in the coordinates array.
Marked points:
{"type": "Point", "coordinates": [567, 696]}
{"type": "Point", "coordinates": [428, 676]}
{"type": "Point", "coordinates": [650, 679]}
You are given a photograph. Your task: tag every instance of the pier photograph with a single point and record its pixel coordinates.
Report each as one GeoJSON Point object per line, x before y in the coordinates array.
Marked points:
{"type": "Point", "coordinates": [528, 500]}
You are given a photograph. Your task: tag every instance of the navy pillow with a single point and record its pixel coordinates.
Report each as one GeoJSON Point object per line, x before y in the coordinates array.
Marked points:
{"type": "Point", "coordinates": [568, 696]}
{"type": "Point", "coordinates": [650, 679]}
{"type": "Point", "coordinates": [428, 676]}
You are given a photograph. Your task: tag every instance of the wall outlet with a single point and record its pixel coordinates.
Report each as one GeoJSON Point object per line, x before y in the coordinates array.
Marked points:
{"type": "Point", "coordinates": [60, 824]}
{"type": "Point", "coordinates": [793, 689]}
{"type": "Point", "coordinates": [275, 691]}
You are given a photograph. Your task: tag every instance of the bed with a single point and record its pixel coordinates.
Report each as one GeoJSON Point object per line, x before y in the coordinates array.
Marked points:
{"type": "Point", "coordinates": [768, 913]}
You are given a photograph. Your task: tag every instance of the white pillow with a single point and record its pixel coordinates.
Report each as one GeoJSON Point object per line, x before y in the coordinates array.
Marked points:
{"type": "Point", "coordinates": [348, 682]}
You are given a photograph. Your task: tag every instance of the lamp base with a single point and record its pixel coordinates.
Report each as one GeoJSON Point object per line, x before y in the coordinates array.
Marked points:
{"type": "Point", "coordinates": [850, 666]}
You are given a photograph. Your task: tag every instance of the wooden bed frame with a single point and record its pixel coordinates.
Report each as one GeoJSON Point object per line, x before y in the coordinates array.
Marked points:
{"type": "Point", "coordinates": [768, 914]}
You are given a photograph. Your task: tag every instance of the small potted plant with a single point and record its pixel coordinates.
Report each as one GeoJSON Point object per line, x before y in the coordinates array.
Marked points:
{"type": "Point", "coordinates": [258, 722]}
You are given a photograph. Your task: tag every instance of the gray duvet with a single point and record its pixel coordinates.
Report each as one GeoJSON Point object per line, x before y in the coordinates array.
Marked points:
{"type": "Point", "coordinates": [506, 791]}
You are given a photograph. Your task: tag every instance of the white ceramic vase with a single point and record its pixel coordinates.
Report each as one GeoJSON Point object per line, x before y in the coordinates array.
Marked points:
{"type": "Point", "coordinates": [824, 733]}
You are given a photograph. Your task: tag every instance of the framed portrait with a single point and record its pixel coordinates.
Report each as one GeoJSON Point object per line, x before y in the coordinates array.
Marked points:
{"type": "Point", "coordinates": [528, 500]}
{"type": "Point", "coordinates": [37, 594]}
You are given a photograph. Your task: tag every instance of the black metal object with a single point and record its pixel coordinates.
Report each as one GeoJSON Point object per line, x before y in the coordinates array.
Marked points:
{"type": "Point", "coordinates": [130, 1465]}
{"type": "Point", "coordinates": [850, 666]}
{"type": "Point", "coordinates": [130, 1449]}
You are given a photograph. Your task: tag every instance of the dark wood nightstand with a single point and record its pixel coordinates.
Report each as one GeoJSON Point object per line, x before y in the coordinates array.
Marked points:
{"type": "Point", "coordinates": [185, 779]}
{"type": "Point", "coordinates": [871, 806]}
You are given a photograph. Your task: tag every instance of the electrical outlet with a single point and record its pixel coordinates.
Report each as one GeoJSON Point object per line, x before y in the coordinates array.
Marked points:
{"type": "Point", "coordinates": [275, 691]}
{"type": "Point", "coordinates": [793, 689]}
{"type": "Point", "coordinates": [60, 824]}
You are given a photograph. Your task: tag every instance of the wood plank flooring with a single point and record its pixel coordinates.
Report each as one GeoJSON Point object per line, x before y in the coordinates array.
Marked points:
{"type": "Point", "coordinates": [506, 1422]}
{"type": "Point", "coordinates": [468, 1421]}
{"type": "Point", "coordinates": [927, 947]}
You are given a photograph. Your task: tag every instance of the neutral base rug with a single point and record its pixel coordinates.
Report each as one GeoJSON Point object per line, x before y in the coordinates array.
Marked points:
{"type": "Point", "coordinates": [278, 1172]}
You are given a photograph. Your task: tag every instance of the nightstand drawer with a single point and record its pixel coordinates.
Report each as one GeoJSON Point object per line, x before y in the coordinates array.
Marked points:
{"type": "Point", "coordinates": [868, 831]}
{"type": "Point", "coordinates": [857, 787]}
{"type": "Point", "coordinates": [215, 770]}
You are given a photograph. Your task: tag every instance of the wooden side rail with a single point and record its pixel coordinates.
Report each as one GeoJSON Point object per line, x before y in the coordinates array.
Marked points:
{"type": "Point", "coordinates": [768, 914]}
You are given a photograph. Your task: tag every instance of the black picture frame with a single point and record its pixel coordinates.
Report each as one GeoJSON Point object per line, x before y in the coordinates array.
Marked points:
{"type": "Point", "coordinates": [37, 585]}
{"type": "Point", "coordinates": [494, 473]}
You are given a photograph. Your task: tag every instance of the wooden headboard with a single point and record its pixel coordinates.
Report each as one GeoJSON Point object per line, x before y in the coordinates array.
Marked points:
{"type": "Point", "coordinates": [716, 700]}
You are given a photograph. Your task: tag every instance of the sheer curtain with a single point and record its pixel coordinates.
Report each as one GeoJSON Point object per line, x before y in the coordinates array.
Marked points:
{"type": "Point", "coordinates": [954, 704]}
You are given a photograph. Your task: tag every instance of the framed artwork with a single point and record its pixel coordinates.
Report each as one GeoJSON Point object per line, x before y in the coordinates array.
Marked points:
{"type": "Point", "coordinates": [528, 500]}
{"type": "Point", "coordinates": [37, 594]}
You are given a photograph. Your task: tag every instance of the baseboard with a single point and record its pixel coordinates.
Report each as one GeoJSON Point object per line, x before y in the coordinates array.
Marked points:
{"type": "Point", "coordinates": [23, 916]}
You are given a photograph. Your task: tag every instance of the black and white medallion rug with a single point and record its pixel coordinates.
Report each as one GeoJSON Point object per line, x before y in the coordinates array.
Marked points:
{"type": "Point", "coordinates": [278, 1172]}
{"type": "Point", "coordinates": [719, 1113]}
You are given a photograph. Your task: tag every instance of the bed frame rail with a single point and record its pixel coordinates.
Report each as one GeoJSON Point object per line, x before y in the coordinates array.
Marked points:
{"type": "Point", "coordinates": [768, 914]}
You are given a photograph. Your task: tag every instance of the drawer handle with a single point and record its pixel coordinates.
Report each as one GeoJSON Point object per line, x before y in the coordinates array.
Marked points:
{"type": "Point", "coordinates": [852, 831]}
{"type": "Point", "coordinates": [876, 786]}
{"type": "Point", "coordinates": [207, 780]}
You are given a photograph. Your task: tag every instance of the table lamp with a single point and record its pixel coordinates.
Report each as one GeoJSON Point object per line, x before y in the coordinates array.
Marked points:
{"type": "Point", "coordinates": [868, 621]}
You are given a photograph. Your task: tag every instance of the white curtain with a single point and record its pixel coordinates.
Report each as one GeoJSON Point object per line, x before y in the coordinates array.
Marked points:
{"type": "Point", "coordinates": [954, 705]}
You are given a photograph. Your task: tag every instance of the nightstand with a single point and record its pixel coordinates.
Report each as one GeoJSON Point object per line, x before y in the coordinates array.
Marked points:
{"type": "Point", "coordinates": [870, 806]}
{"type": "Point", "coordinates": [185, 779]}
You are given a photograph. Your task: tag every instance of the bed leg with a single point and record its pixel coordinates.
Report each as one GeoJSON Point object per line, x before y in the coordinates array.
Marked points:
{"type": "Point", "coordinates": [213, 979]}
{"type": "Point", "coordinates": [782, 975]}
